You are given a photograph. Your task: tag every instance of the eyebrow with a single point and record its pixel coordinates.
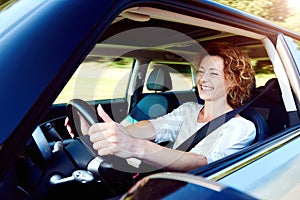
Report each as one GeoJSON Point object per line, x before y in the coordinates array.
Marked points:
{"type": "Point", "coordinates": [210, 69]}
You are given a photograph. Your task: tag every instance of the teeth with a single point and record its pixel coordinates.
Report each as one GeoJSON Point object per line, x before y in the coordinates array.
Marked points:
{"type": "Point", "coordinates": [205, 88]}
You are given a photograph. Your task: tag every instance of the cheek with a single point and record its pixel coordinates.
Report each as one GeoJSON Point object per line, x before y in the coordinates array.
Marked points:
{"type": "Point", "coordinates": [223, 89]}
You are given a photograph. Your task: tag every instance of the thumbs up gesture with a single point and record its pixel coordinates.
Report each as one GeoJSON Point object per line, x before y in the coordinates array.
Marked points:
{"type": "Point", "coordinates": [111, 138]}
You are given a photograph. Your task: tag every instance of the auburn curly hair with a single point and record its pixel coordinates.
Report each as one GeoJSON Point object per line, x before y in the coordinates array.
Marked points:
{"type": "Point", "coordinates": [237, 69]}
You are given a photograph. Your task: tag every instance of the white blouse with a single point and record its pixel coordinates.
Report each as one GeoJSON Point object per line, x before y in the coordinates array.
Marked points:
{"type": "Point", "coordinates": [181, 123]}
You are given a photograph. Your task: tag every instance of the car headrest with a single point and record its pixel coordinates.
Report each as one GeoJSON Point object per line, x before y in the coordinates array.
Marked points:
{"type": "Point", "coordinates": [274, 95]}
{"type": "Point", "coordinates": [159, 80]}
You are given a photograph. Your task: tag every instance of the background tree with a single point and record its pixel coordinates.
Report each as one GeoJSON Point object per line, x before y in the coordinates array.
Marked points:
{"type": "Point", "coordinates": [277, 11]}
{"type": "Point", "coordinates": [273, 10]}
{"type": "Point", "coordinates": [5, 3]}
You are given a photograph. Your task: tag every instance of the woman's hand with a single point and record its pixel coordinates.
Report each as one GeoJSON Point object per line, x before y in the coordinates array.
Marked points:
{"type": "Point", "coordinates": [111, 138]}
{"type": "Point", "coordinates": [84, 126]}
{"type": "Point", "coordinates": [69, 128]}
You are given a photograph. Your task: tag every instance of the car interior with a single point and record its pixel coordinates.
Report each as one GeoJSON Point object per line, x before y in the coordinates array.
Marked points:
{"type": "Point", "coordinates": [162, 45]}
{"type": "Point", "coordinates": [178, 51]}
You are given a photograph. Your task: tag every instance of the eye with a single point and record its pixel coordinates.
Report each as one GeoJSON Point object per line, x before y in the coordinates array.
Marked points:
{"type": "Point", "coordinates": [214, 74]}
{"type": "Point", "coordinates": [200, 71]}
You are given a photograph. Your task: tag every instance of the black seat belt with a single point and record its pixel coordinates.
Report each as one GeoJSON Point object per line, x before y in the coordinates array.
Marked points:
{"type": "Point", "coordinates": [209, 127]}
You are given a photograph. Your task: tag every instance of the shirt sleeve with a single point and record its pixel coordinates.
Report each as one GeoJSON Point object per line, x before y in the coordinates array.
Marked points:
{"type": "Point", "coordinates": [168, 126]}
{"type": "Point", "coordinates": [233, 136]}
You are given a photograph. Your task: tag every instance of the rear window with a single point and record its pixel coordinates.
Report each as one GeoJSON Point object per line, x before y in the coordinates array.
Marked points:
{"type": "Point", "coordinates": [182, 76]}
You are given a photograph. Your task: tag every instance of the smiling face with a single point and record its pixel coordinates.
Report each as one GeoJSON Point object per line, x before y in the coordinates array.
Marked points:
{"type": "Point", "coordinates": [211, 82]}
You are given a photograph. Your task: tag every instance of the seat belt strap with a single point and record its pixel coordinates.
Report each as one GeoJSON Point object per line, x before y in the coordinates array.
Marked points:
{"type": "Point", "coordinates": [209, 127]}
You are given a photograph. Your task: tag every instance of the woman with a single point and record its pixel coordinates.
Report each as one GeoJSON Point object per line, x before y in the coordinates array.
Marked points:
{"type": "Point", "coordinates": [224, 80]}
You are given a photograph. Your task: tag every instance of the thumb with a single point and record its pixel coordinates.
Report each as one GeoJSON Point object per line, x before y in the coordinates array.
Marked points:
{"type": "Point", "coordinates": [103, 114]}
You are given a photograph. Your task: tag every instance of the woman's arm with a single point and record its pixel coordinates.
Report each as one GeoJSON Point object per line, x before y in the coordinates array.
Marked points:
{"type": "Point", "coordinates": [166, 158]}
{"type": "Point", "coordinates": [111, 138]}
{"type": "Point", "coordinates": [143, 129]}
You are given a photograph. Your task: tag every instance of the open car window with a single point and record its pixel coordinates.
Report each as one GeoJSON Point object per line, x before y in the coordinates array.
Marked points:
{"type": "Point", "coordinates": [98, 78]}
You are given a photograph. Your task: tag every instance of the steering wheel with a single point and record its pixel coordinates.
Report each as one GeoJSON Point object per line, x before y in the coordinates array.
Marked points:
{"type": "Point", "coordinates": [78, 106]}
{"type": "Point", "coordinates": [112, 168]}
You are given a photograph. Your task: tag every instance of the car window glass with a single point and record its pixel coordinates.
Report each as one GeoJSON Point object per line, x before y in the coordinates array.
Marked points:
{"type": "Point", "coordinates": [294, 46]}
{"type": "Point", "coordinates": [98, 78]}
{"type": "Point", "coordinates": [261, 64]}
{"type": "Point", "coordinates": [181, 76]}
{"type": "Point", "coordinates": [263, 72]}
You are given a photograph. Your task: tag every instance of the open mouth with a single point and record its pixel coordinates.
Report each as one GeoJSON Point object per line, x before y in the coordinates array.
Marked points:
{"type": "Point", "coordinates": [206, 88]}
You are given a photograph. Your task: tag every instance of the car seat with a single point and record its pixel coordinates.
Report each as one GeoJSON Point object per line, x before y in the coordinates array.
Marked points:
{"type": "Point", "coordinates": [152, 105]}
{"type": "Point", "coordinates": [265, 110]}
{"type": "Point", "coordinates": [271, 106]}
{"type": "Point", "coordinates": [262, 128]}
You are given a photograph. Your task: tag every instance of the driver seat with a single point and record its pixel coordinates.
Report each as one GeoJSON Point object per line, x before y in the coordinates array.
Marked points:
{"type": "Point", "coordinates": [262, 128]}
{"type": "Point", "coordinates": [154, 104]}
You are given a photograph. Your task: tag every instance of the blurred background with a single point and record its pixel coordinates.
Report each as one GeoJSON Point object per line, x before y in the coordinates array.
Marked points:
{"type": "Point", "coordinates": [281, 12]}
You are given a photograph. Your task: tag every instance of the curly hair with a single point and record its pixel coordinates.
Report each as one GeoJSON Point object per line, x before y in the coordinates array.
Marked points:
{"type": "Point", "coordinates": [237, 69]}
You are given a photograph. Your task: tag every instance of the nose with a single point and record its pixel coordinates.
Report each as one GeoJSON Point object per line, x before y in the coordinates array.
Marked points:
{"type": "Point", "coordinates": [204, 76]}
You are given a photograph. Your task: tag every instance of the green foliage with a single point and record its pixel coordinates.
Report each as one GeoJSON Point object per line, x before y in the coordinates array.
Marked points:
{"type": "Point", "coordinates": [5, 3]}
{"type": "Point", "coordinates": [122, 62]}
{"type": "Point", "coordinates": [276, 11]}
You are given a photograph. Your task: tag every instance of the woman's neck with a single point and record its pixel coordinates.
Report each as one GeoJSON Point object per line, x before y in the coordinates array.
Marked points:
{"type": "Point", "coordinates": [212, 110]}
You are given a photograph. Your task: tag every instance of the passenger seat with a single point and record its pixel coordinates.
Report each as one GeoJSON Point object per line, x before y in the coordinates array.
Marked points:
{"type": "Point", "coordinates": [152, 105]}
